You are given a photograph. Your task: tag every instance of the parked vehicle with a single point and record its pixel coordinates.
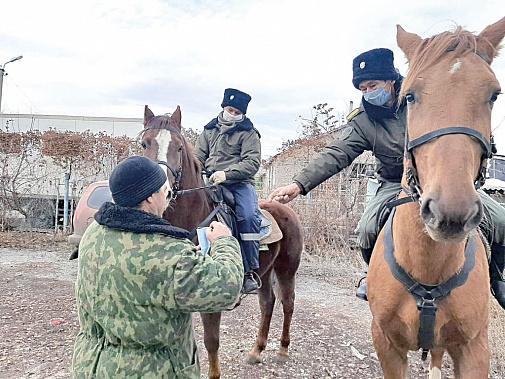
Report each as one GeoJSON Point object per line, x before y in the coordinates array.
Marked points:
{"type": "Point", "coordinates": [91, 200]}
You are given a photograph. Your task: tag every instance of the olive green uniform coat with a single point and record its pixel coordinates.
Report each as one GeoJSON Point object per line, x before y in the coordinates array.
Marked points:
{"type": "Point", "coordinates": [236, 151]}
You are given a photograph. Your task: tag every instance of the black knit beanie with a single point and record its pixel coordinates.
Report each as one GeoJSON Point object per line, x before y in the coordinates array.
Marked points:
{"type": "Point", "coordinates": [376, 64]}
{"type": "Point", "coordinates": [134, 180]}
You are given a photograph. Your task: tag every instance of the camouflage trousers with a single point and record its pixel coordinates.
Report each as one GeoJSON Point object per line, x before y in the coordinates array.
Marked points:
{"type": "Point", "coordinates": [376, 213]}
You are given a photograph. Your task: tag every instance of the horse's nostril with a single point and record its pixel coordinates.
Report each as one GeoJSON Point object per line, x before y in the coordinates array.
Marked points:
{"type": "Point", "coordinates": [427, 212]}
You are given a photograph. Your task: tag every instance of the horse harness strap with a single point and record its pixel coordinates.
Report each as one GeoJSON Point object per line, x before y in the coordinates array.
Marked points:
{"type": "Point", "coordinates": [427, 296]}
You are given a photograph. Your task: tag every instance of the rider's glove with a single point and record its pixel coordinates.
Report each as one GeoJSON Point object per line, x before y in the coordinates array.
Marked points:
{"type": "Point", "coordinates": [217, 177]}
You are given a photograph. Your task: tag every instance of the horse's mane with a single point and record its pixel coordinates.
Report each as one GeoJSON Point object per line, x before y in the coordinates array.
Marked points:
{"type": "Point", "coordinates": [191, 150]}
{"type": "Point", "coordinates": [432, 49]}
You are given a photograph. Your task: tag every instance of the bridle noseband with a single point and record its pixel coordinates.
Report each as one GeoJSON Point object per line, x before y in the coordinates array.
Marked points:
{"type": "Point", "coordinates": [489, 148]}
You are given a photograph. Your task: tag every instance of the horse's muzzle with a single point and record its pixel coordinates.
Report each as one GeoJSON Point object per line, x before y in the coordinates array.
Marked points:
{"type": "Point", "coordinates": [445, 224]}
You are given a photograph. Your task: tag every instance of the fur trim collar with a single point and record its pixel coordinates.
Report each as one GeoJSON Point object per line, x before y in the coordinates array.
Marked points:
{"type": "Point", "coordinates": [132, 220]}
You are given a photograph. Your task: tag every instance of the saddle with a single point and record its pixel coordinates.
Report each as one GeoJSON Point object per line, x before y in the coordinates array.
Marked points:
{"type": "Point", "coordinates": [224, 205]}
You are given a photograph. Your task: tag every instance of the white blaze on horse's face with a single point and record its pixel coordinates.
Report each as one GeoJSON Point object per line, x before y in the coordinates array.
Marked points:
{"type": "Point", "coordinates": [163, 139]}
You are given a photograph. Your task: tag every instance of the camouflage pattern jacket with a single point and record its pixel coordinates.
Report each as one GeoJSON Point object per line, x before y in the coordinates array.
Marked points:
{"type": "Point", "coordinates": [236, 151]}
{"type": "Point", "coordinates": [138, 281]}
{"type": "Point", "coordinates": [377, 129]}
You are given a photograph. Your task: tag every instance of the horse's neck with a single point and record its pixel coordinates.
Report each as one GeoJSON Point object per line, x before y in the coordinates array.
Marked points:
{"type": "Point", "coordinates": [426, 260]}
{"type": "Point", "coordinates": [190, 210]}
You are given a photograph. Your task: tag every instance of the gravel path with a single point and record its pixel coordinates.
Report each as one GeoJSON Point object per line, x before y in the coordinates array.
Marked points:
{"type": "Point", "coordinates": [330, 336]}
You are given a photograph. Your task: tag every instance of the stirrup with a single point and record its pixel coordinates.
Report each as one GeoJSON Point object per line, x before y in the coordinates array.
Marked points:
{"type": "Point", "coordinates": [257, 278]}
{"type": "Point", "coordinates": [362, 291]}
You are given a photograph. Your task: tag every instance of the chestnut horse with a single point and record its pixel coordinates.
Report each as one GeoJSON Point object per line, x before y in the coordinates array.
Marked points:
{"type": "Point", "coordinates": [162, 141]}
{"type": "Point", "coordinates": [428, 282]}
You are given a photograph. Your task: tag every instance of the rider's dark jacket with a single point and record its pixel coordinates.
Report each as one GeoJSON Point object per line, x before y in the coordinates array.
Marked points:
{"type": "Point", "coordinates": [236, 151]}
{"type": "Point", "coordinates": [378, 129]}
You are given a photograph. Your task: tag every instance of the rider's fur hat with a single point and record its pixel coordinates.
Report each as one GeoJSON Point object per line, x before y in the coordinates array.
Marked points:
{"type": "Point", "coordinates": [376, 64]}
{"type": "Point", "coordinates": [236, 99]}
{"type": "Point", "coordinates": [134, 180]}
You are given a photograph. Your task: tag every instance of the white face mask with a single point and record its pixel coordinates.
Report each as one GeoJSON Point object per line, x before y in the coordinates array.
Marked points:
{"type": "Point", "coordinates": [229, 117]}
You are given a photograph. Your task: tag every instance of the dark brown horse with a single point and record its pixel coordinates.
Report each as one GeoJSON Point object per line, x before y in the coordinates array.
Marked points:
{"type": "Point", "coordinates": [450, 91]}
{"type": "Point", "coordinates": [162, 141]}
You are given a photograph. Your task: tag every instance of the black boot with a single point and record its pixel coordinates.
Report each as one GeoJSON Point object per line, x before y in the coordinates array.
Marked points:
{"type": "Point", "coordinates": [362, 288]}
{"type": "Point", "coordinates": [496, 267]}
{"type": "Point", "coordinates": [252, 282]}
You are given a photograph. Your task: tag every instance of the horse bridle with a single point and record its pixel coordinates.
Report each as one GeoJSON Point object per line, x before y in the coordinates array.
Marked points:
{"type": "Point", "coordinates": [176, 173]}
{"type": "Point", "coordinates": [489, 148]}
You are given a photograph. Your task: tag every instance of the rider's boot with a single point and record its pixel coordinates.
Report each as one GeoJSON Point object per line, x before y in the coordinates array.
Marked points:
{"type": "Point", "coordinates": [362, 288]}
{"type": "Point", "coordinates": [496, 267]}
{"type": "Point", "coordinates": [252, 282]}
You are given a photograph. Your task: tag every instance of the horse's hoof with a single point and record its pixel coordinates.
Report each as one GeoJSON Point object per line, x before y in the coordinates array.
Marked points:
{"type": "Point", "coordinates": [253, 359]}
{"type": "Point", "coordinates": [281, 357]}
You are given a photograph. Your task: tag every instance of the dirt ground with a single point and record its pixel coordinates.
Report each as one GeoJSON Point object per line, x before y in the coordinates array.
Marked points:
{"type": "Point", "coordinates": [330, 335]}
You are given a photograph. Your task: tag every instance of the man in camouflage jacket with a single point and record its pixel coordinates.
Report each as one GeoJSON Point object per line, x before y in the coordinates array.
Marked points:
{"type": "Point", "coordinates": [379, 125]}
{"type": "Point", "coordinates": [140, 278]}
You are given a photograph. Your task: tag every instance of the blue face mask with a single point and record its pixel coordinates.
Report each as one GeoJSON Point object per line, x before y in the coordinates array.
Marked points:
{"type": "Point", "coordinates": [378, 97]}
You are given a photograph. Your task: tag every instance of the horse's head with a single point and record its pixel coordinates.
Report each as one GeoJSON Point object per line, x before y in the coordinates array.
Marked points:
{"type": "Point", "coordinates": [162, 142]}
{"type": "Point", "coordinates": [450, 91]}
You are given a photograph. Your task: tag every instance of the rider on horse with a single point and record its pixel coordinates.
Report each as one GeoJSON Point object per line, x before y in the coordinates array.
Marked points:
{"type": "Point", "coordinates": [229, 150]}
{"type": "Point", "coordinates": [379, 125]}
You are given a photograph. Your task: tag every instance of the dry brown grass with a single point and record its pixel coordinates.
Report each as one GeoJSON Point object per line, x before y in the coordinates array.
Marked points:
{"type": "Point", "coordinates": [35, 240]}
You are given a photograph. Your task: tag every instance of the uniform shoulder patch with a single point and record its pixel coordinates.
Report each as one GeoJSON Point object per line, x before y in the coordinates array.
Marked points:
{"type": "Point", "coordinates": [353, 114]}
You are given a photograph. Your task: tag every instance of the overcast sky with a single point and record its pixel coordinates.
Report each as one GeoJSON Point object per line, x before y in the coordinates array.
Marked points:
{"type": "Point", "coordinates": [109, 58]}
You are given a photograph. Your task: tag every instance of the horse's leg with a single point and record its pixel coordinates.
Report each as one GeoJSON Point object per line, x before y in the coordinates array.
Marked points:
{"type": "Point", "coordinates": [286, 282]}
{"type": "Point", "coordinates": [266, 298]}
{"type": "Point", "coordinates": [211, 323]}
{"type": "Point", "coordinates": [393, 362]}
{"type": "Point", "coordinates": [472, 359]}
{"type": "Point", "coordinates": [436, 363]}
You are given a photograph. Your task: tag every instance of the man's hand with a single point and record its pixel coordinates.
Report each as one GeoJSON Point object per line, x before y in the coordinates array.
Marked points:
{"type": "Point", "coordinates": [217, 177]}
{"type": "Point", "coordinates": [285, 194]}
{"type": "Point", "coordinates": [217, 229]}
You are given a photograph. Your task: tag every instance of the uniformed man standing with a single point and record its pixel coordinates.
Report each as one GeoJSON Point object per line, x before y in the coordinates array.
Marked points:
{"type": "Point", "coordinates": [379, 125]}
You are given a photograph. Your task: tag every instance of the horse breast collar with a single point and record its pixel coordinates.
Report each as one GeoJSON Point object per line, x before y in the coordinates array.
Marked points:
{"type": "Point", "coordinates": [427, 296]}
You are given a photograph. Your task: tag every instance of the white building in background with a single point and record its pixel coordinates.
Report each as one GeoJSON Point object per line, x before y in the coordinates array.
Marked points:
{"type": "Point", "coordinates": [113, 126]}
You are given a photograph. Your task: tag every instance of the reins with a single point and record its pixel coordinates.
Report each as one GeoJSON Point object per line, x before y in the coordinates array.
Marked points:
{"type": "Point", "coordinates": [178, 176]}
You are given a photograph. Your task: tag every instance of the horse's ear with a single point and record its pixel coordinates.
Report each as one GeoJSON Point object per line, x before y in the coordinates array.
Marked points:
{"type": "Point", "coordinates": [490, 38]}
{"type": "Point", "coordinates": [408, 42]}
{"type": "Point", "coordinates": [177, 116]}
{"type": "Point", "coordinates": [148, 114]}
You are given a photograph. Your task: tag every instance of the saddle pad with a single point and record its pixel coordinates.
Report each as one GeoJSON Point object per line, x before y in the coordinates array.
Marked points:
{"type": "Point", "coordinates": [269, 230]}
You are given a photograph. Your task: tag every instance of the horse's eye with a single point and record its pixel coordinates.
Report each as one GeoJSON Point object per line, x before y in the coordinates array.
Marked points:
{"type": "Point", "coordinates": [494, 97]}
{"type": "Point", "coordinates": [144, 146]}
{"type": "Point", "coordinates": [410, 98]}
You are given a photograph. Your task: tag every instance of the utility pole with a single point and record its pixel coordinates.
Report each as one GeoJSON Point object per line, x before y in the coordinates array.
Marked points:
{"type": "Point", "coordinates": [2, 73]}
